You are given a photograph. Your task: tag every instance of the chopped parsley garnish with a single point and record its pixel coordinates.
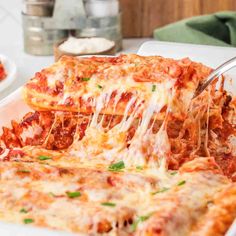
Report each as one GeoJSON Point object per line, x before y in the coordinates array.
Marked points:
{"type": "Point", "coordinates": [117, 166]}
{"type": "Point", "coordinates": [23, 171]}
{"type": "Point", "coordinates": [85, 79]}
{"type": "Point", "coordinates": [44, 158]}
{"type": "Point", "coordinates": [23, 210]}
{"type": "Point", "coordinates": [139, 167]}
{"type": "Point", "coordinates": [51, 194]}
{"type": "Point", "coordinates": [140, 219]}
{"type": "Point", "coordinates": [143, 218]}
{"type": "Point", "coordinates": [73, 194]}
{"type": "Point", "coordinates": [28, 221]}
{"type": "Point", "coordinates": [160, 191]}
{"type": "Point", "coordinates": [173, 173]}
{"type": "Point", "coordinates": [154, 88]}
{"type": "Point", "coordinates": [110, 204]}
{"type": "Point", "coordinates": [99, 86]}
{"type": "Point", "coordinates": [181, 183]}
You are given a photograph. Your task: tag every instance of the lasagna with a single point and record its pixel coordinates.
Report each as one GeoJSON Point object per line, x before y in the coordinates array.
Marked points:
{"type": "Point", "coordinates": [119, 146]}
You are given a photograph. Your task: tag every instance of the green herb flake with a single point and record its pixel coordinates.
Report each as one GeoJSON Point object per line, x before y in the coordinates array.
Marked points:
{"type": "Point", "coordinates": [23, 210]}
{"type": "Point", "coordinates": [110, 204]}
{"type": "Point", "coordinates": [139, 167]}
{"type": "Point", "coordinates": [28, 221]}
{"type": "Point", "coordinates": [160, 191]}
{"type": "Point", "coordinates": [134, 225]}
{"type": "Point", "coordinates": [51, 194]}
{"type": "Point", "coordinates": [181, 183]}
{"type": "Point", "coordinates": [174, 173]}
{"type": "Point", "coordinates": [99, 86]}
{"type": "Point", "coordinates": [73, 194]}
{"type": "Point", "coordinates": [154, 88]}
{"type": "Point", "coordinates": [44, 158]}
{"type": "Point", "coordinates": [85, 79]}
{"type": "Point", "coordinates": [24, 171]}
{"type": "Point", "coordinates": [138, 220]}
{"type": "Point", "coordinates": [117, 166]}
{"type": "Point", "coordinates": [143, 218]}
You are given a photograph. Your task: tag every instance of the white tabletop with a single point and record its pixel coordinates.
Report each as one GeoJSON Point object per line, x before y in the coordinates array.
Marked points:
{"type": "Point", "coordinates": [11, 45]}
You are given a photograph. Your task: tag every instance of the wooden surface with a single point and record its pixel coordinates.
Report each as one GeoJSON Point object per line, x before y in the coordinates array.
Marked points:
{"type": "Point", "coordinates": [141, 17]}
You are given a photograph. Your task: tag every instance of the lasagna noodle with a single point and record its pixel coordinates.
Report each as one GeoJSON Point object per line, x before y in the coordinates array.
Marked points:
{"type": "Point", "coordinates": [220, 215]}
{"type": "Point", "coordinates": [74, 84]}
{"type": "Point", "coordinates": [42, 191]}
{"type": "Point", "coordinates": [182, 206]}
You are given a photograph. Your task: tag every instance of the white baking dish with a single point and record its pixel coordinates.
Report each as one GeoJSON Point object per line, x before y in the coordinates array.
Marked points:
{"type": "Point", "coordinates": [13, 107]}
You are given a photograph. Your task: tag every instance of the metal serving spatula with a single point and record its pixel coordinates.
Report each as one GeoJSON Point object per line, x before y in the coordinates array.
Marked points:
{"type": "Point", "coordinates": [214, 74]}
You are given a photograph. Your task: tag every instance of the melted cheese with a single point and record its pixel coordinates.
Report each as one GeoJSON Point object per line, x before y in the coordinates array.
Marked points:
{"type": "Point", "coordinates": [57, 75]}
{"type": "Point", "coordinates": [30, 132]}
{"type": "Point", "coordinates": [171, 203]}
{"type": "Point", "coordinates": [112, 144]}
{"type": "Point", "coordinates": [47, 203]}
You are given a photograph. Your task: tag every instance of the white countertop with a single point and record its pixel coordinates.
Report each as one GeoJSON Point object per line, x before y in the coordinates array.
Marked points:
{"type": "Point", "coordinates": [11, 45]}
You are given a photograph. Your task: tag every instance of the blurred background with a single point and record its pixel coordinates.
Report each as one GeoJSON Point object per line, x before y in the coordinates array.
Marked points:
{"type": "Point", "coordinates": [34, 33]}
{"type": "Point", "coordinates": [141, 17]}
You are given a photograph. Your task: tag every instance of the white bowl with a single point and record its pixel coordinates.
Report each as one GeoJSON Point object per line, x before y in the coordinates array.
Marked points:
{"type": "Point", "coordinates": [10, 68]}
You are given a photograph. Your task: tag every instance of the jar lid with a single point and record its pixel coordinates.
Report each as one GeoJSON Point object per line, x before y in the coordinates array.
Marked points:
{"type": "Point", "coordinates": [39, 1]}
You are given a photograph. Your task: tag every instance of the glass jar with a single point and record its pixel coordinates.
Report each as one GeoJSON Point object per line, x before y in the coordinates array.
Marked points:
{"type": "Point", "coordinates": [38, 7]}
{"type": "Point", "coordinates": [101, 8]}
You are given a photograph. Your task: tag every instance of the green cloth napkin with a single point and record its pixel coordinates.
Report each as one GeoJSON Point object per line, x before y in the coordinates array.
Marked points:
{"type": "Point", "coordinates": [217, 29]}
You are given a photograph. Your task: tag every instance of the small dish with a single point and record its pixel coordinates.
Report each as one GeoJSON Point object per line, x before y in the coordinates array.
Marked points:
{"type": "Point", "coordinates": [10, 68]}
{"type": "Point", "coordinates": [58, 53]}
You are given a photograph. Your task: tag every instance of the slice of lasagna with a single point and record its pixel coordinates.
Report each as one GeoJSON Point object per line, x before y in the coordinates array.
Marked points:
{"type": "Point", "coordinates": [94, 200]}
{"type": "Point", "coordinates": [86, 84]}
